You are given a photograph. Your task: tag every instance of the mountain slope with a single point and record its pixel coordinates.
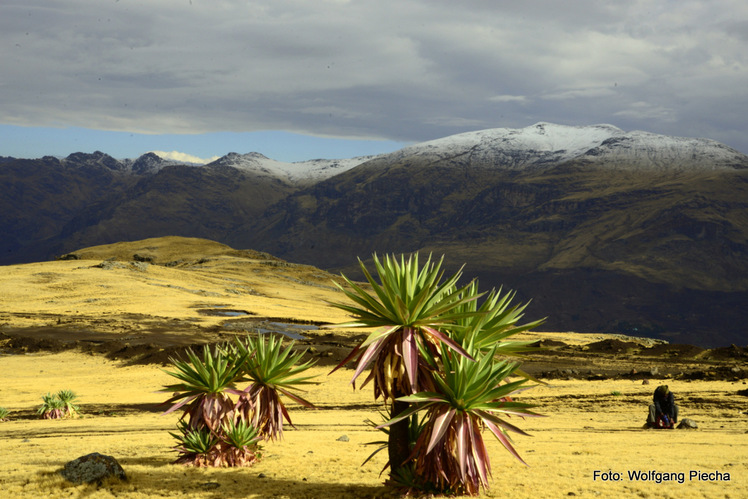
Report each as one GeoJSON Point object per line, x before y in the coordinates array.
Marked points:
{"type": "Point", "coordinates": [40, 196]}
{"type": "Point", "coordinates": [606, 230]}
{"type": "Point", "coordinates": [666, 222]}
{"type": "Point", "coordinates": [177, 200]}
{"type": "Point", "coordinates": [671, 225]}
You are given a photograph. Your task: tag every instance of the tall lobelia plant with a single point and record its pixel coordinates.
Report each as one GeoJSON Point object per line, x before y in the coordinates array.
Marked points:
{"type": "Point", "coordinates": [410, 308]}
{"type": "Point", "coordinates": [436, 352]}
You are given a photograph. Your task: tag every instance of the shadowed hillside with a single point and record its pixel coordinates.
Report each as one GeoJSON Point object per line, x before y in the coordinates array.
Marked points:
{"type": "Point", "coordinates": [657, 253]}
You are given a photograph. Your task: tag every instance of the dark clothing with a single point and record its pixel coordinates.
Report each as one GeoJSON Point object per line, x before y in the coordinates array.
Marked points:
{"type": "Point", "coordinates": [662, 405]}
{"type": "Point", "coordinates": [666, 405]}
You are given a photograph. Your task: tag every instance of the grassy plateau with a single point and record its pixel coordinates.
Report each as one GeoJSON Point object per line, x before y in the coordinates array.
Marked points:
{"type": "Point", "coordinates": [105, 324]}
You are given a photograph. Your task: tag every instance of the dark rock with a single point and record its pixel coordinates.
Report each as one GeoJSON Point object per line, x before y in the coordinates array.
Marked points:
{"type": "Point", "coordinates": [645, 382]}
{"type": "Point", "coordinates": [611, 346]}
{"type": "Point", "coordinates": [93, 467]}
{"type": "Point", "coordinates": [731, 352]}
{"type": "Point", "coordinates": [673, 350]}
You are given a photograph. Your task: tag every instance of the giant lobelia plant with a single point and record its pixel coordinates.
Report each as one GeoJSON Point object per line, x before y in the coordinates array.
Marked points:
{"type": "Point", "coordinates": [216, 430]}
{"type": "Point", "coordinates": [436, 351]}
{"type": "Point", "coordinates": [410, 308]}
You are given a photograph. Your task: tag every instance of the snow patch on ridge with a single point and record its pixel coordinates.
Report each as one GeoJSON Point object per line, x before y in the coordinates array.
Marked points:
{"type": "Point", "coordinates": [639, 149]}
{"type": "Point", "coordinates": [301, 172]}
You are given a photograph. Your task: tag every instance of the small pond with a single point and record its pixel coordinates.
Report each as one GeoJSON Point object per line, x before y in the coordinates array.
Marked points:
{"type": "Point", "coordinates": [288, 329]}
{"type": "Point", "coordinates": [223, 312]}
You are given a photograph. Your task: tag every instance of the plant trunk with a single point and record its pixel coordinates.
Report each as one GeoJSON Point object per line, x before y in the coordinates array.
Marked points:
{"type": "Point", "coordinates": [398, 444]}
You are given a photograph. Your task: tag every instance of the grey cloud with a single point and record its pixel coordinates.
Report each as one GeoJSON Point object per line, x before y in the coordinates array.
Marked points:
{"type": "Point", "coordinates": [390, 69]}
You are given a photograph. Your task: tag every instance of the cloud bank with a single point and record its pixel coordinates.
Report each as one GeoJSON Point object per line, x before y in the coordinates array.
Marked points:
{"type": "Point", "coordinates": [392, 69]}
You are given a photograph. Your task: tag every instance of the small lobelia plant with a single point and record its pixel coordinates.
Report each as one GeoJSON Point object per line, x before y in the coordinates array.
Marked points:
{"type": "Point", "coordinates": [215, 430]}
{"type": "Point", "coordinates": [68, 400]}
{"type": "Point", "coordinates": [204, 389]}
{"type": "Point", "coordinates": [51, 407]}
{"type": "Point", "coordinates": [4, 413]}
{"type": "Point", "coordinates": [438, 353]}
{"type": "Point", "coordinates": [58, 406]}
{"type": "Point", "coordinates": [241, 439]}
{"type": "Point", "coordinates": [236, 445]}
{"type": "Point", "coordinates": [196, 446]}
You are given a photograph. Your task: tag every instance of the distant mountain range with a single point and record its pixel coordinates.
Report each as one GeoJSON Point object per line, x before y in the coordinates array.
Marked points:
{"type": "Point", "coordinates": [605, 230]}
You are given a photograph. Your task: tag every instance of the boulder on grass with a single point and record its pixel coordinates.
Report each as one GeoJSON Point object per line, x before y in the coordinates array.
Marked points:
{"type": "Point", "coordinates": [688, 424]}
{"type": "Point", "coordinates": [91, 468]}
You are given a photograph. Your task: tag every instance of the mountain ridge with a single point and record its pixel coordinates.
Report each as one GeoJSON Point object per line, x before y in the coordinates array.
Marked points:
{"type": "Point", "coordinates": [539, 144]}
{"type": "Point", "coordinates": [630, 218]}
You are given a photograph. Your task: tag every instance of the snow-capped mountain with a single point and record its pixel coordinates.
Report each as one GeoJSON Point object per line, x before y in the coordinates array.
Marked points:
{"type": "Point", "coordinates": [545, 144]}
{"type": "Point", "coordinates": [550, 210]}
{"type": "Point", "coordinates": [538, 146]}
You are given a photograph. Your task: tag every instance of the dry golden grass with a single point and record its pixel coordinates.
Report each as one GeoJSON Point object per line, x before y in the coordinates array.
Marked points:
{"type": "Point", "coordinates": [590, 425]}
{"type": "Point", "coordinates": [587, 428]}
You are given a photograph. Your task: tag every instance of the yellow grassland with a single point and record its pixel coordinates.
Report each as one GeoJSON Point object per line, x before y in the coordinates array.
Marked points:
{"type": "Point", "coordinates": [588, 426]}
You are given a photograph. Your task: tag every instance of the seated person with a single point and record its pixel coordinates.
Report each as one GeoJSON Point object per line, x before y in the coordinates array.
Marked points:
{"type": "Point", "coordinates": [663, 413]}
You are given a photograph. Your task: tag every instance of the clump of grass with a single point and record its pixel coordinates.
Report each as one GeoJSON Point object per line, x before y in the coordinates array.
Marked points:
{"type": "Point", "coordinates": [4, 413]}
{"type": "Point", "coordinates": [58, 406]}
{"type": "Point", "coordinates": [615, 393]}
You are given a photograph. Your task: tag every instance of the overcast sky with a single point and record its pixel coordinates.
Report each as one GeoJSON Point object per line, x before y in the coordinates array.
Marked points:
{"type": "Point", "coordinates": [382, 72]}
